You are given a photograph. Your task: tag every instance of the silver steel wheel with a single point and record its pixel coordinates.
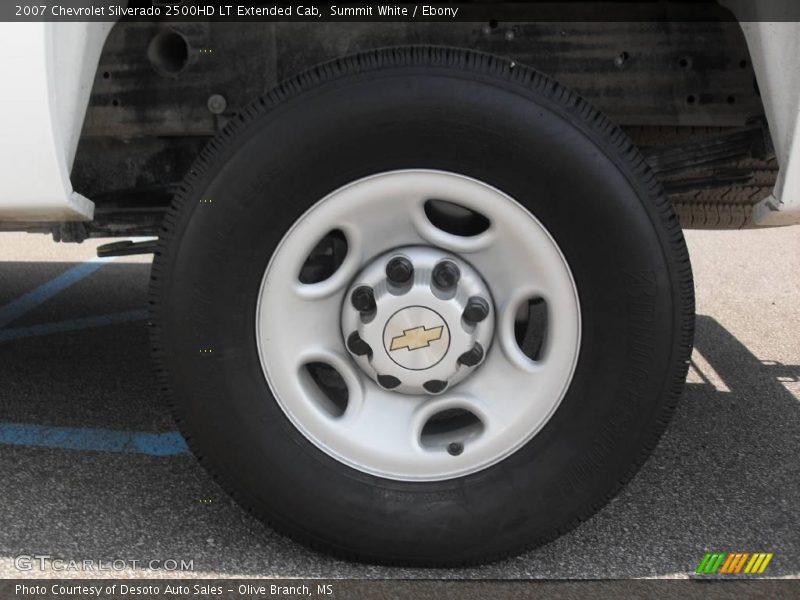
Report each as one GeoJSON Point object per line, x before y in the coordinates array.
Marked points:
{"type": "Point", "coordinates": [483, 408]}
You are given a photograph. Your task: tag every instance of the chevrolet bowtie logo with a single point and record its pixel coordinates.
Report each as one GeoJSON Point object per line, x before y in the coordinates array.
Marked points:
{"type": "Point", "coordinates": [416, 338]}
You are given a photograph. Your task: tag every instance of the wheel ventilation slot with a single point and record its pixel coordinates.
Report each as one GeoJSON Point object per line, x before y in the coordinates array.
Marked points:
{"type": "Point", "coordinates": [450, 427]}
{"type": "Point", "coordinates": [455, 219]}
{"type": "Point", "coordinates": [325, 259]}
{"type": "Point", "coordinates": [530, 328]}
{"type": "Point", "coordinates": [327, 387]}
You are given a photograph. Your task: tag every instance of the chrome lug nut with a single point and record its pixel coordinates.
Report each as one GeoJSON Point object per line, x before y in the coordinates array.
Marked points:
{"type": "Point", "coordinates": [388, 381]}
{"type": "Point", "coordinates": [434, 386]}
{"type": "Point", "coordinates": [446, 274]}
{"type": "Point", "coordinates": [399, 270]}
{"type": "Point", "coordinates": [477, 309]}
{"type": "Point", "coordinates": [363, 299]}
{"type": "Point", "coordinates": [358, 346]}
{"type": "Point", "coordinates": [472, 357]}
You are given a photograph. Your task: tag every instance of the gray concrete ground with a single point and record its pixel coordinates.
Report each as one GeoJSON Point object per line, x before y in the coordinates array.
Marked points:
{"type": "Point", "coordinates": [726, 476]}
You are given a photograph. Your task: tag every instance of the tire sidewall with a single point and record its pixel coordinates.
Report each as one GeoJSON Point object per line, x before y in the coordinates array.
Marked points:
{"type": "Point", "coordinates": [525, 143]}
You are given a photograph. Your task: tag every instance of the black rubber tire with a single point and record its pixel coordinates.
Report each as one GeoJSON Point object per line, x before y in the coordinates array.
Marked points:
{"type": "Point", "coordinates": [458, 111]}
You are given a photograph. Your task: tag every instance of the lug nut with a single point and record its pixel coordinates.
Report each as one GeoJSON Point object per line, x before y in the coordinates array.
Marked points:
{"type": "Point", "coordinates": [477, 309]}
{"type": "Point", "coordinates": [455, 448]}
{"type": "Point", "coordinates": [388, 381]}
{"type": "Point", "coordinates": [399, 270]}
{"type": "Point", "coordinates": [446, 274]}
{"type": "Point", "coordinates": [434, 386]}
{"type": "Point", "coordinates": [472, 357]}
{"type": "Point", "coordinates": [358, 346]}
{"type": "Point", "coordinates": [363, 299]}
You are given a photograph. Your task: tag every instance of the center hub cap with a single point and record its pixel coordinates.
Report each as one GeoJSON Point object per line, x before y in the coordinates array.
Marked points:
{"type": "Point", "coordinates": [418, 320]}
{"type": "Point", "coordinates": [421, 332]}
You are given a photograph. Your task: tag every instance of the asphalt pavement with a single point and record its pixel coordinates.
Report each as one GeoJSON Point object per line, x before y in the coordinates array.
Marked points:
{"type": "Point", "coordinates": [91, 467]}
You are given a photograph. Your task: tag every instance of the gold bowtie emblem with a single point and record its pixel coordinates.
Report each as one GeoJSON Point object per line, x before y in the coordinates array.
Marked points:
{"type": "Point", "coordinates": [416, 338]}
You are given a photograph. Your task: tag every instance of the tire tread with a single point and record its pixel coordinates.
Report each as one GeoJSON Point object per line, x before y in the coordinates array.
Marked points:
{"type": "Point", "coordinates": [606, 132]}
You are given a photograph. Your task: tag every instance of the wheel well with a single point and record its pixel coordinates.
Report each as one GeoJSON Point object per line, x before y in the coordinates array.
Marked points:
{"type": "Point", "coordinates": [163, 90]}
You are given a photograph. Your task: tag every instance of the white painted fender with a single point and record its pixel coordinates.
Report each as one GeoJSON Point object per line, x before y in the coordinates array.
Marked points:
{"type": "Point", "coordinates": [47, 71]}
{"type": "Point", "coordinates": [775, 53]}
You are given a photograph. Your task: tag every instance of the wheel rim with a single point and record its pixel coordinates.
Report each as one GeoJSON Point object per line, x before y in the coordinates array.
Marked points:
{"type": "Point", "coordinates": [328, 387]}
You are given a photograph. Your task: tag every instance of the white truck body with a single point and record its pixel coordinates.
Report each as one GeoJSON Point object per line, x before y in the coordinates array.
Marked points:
{"type": "Point", "coordinates": [48, 70]}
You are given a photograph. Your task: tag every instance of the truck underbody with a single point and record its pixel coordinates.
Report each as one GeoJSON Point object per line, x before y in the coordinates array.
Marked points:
{"type": "Point", "coordinates": [685, 92]}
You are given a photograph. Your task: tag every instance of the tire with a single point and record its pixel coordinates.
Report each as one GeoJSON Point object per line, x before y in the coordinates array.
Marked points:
{"type": "Point", "coordinates": [449, 111]}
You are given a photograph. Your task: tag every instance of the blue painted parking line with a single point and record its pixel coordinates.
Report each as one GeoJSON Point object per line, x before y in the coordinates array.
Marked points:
{"type": "Point", "coordinates": [126, 316]}
{"type": "Point", "coordinates": [38, 296]}
{"type": "Point", "coordinates": [100, 440]}
{"type": "Point", "coordinates": [30, 300]}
